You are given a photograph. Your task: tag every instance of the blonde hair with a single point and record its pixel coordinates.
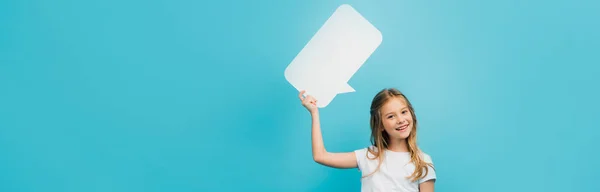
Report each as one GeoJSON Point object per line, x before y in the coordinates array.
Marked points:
{"type": "Point", "coordinates": [380, 138]}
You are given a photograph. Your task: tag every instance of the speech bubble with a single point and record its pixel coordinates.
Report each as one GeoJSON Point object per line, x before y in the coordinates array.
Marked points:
{"type": "Point", "coordinates": [333, 55]}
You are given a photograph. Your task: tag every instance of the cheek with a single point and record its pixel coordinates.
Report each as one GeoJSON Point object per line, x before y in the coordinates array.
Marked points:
{"type": "Point", "coordinates": [388, 123]}
{"type": "Point", "coordinates": [409, 118]}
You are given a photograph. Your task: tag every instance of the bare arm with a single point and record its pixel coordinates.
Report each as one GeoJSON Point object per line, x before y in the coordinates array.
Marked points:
{"type": "Point", "coordinates": [426, 186]}
{"type": "Point", "coordinates": [320, 154]}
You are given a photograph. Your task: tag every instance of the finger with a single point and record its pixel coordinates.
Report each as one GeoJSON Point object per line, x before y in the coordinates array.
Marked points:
{"type": "Point", "coordinates": [310, 99]}
{"type": "Point", "coordinates": [300, 95]}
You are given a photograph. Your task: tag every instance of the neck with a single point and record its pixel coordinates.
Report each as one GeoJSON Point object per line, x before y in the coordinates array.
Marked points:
{"type": "Point", "coordinates": [398, 145]}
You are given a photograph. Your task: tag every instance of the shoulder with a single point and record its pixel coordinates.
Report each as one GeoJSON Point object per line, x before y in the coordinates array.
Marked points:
{"type": "Point", "coordinates": [366, 150]}
{"type": "Point", "coordinates": [426, 157]}
{"type": "Point", "coordinates": [366, 153]}
{"type": "Point", "coordinates": [365, 158]}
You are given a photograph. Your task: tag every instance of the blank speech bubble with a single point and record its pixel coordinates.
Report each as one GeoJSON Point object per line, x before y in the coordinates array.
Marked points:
{"type": "Point", "coordinates": [332, 56]}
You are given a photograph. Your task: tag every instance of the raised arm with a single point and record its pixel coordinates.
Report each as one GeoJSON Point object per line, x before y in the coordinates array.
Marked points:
{"type": "Point", "coordinates": [320, 154]}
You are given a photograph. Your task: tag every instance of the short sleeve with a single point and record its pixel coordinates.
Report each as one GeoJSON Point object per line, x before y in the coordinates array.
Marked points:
{"type": "Point", "coordinates": [361, 155]}
{"type": "Point", "coordinates": [431, 173]}
{"type": "Point", "coordinates": [362, 160]}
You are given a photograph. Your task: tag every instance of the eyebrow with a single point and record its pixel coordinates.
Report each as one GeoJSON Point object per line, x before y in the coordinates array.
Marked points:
{"type": "Point", "coordinates": [400, 110]}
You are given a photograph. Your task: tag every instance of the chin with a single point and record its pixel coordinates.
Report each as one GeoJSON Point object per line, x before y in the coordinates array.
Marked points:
{"type": "Point", "coordinates": [405, 135]}
{"type": "Point", "coordinates": [402, 135]}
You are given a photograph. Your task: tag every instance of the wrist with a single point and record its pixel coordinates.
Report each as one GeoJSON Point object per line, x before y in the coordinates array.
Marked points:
{"type": "Point", "coordinates": [314, 112]}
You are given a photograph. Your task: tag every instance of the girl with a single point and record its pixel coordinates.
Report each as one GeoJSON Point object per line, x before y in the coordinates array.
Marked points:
{"type": "Point", "coordinates": [394, 161]}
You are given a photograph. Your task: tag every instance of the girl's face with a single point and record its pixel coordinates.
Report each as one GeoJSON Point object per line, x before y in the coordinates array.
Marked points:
{"type": "Point", "coordinates": [396, 118]}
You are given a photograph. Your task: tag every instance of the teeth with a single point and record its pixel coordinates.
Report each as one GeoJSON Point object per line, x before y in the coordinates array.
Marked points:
{"type": "Point", "coordinates": [401, 128]}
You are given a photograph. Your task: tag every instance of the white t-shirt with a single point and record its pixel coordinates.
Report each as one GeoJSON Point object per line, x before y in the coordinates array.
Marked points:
{"type": "Point", "coordinates": [393, 173]}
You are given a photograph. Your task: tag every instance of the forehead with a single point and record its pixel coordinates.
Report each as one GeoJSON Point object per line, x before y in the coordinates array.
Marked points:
{"type": "Point", "coordinates": [394, 104]}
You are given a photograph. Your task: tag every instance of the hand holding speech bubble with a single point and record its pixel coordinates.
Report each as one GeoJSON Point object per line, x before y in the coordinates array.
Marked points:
{"type": "Point", "coordinates": [332, 56]}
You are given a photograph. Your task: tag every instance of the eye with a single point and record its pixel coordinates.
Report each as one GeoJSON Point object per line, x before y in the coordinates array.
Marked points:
{"type": "Point", "coordinates": [405, 111]}
{"type": "Point", "coordinates": [391, 116]}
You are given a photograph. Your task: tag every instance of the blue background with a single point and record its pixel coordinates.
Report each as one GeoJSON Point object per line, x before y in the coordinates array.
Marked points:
{"type": "Point", "coordinates": [184, 95]}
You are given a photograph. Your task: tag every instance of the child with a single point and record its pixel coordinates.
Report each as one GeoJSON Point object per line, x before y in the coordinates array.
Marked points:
{"type": "Point", "coordinates": [400, 165]}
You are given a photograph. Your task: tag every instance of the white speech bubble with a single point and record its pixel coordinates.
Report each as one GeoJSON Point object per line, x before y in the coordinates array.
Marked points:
{"type": "Point", "coordinates": [332, 56]}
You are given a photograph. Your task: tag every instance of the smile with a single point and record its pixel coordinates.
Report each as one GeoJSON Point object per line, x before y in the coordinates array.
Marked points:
{"type": "Point", "coordinates": [402, 128]}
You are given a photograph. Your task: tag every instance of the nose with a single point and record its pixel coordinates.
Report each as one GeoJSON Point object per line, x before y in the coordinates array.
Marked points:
{"type": "Point", "coordinates": [400, 120]}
